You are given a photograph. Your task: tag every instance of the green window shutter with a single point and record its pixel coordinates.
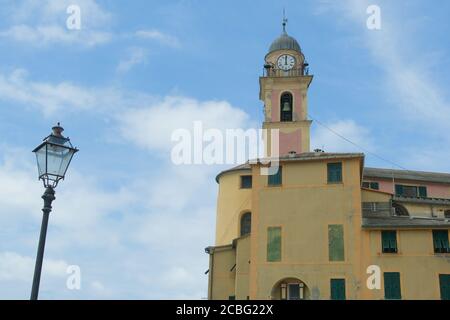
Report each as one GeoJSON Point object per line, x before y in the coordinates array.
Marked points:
{"type": "Point", "coordinates": [444, 284]}
{"type": "Point", "coordinates": [440, 241]}
{"type": "Point", "coordinates": [336, 242]}
{"type": "Point", "coordinates": [337, 289]}
{"type": "Point", "coordinates": [334, 172]}
{"type": "Point", "coordinates": [275, 179]}
{"type": "Point", "coordinates": [232, 298]}
{"type": "Point", "coordinates": [392, 288]}
{"type": "Point", "coordinates": [389, 241]}
{"type": "Point", "coordinates": [423, 192]}
{"type": "Point", "coordinates": [398, 190]}
{"type": "Point", "coordinates": [375, 186]}
{"type": "Point", "coordinates": [436, 241]}
{"type": "Point", "coordinates": [274, 244]}
{"type": "Point", "coordinates": [384, 241]}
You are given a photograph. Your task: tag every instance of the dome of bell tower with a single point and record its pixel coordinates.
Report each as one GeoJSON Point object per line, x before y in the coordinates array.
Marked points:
{"type": "Point", "coordinates": [284, 41]}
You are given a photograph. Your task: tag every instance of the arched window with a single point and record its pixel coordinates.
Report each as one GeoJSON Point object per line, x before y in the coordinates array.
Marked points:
{"type": "Point", "coordinates": [246, 223]}
{"type": "Point", "coordinates": [290, 289]}
{"type": "Point", "coordinates": [286, 107]}
{"type": "Point", "coordinates": [400, 210]}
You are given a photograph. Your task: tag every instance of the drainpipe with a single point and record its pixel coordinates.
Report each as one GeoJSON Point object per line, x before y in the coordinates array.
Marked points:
{"type": "Point", "coordinates": [210, 251]}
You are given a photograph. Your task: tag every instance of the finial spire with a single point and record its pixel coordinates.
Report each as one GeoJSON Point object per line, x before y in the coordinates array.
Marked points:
{"type": "Point", "coordinates": [285, 20]}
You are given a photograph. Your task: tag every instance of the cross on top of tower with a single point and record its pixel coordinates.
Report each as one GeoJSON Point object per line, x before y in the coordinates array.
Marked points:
{"type": "Point", "coordinates": [285, 20]}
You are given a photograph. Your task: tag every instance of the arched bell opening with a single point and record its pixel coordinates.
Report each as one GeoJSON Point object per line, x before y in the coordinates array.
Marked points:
{"type": "Point", "coordinates": [286, 107]}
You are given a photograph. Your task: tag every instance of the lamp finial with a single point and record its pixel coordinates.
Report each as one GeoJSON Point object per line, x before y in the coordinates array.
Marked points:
{"type": "Point", "coordinates": [57, 130]}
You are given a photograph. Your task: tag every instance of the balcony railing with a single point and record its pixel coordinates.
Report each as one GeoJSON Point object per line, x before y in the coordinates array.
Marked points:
{"type": "Point", "coordinates": [422, 200]}
{"type": "Point", "coordinates": [381, 209]}
{"type": "Point", "coordinates": [298, 72]}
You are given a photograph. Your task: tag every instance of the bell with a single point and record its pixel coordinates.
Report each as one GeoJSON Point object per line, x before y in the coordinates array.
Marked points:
{"type": "Point", "coordinates": [286, 106]}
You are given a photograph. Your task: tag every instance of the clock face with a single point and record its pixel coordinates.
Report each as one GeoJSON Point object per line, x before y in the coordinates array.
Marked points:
{"type": "Point", "coordinates": [286, 62]}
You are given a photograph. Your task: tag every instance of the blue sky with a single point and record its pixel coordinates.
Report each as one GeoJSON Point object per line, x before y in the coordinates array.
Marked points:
{"type": "Point", "coordinates": [136, 224]}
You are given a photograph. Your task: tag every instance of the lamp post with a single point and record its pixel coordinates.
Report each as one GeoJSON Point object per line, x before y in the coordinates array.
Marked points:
{"type": "Point", "coordinates": [53, 157]}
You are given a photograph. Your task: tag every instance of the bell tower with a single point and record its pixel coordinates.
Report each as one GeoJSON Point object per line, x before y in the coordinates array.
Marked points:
{"type": "Point", "coordinates": [283, 89]}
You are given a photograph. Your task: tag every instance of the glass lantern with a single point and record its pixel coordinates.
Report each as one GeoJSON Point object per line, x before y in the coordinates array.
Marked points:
{"type": "Point", "coordinates": [53, 157]}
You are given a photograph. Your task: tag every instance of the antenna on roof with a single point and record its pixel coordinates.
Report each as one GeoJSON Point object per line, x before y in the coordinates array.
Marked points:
{"type": "Point", "coordinates": [285, 20]}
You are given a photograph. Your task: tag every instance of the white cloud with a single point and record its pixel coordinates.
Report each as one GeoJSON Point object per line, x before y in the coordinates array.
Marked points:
{"type": "Point", "coordinates": [157, 230]}
{"type": "Point", "coordinates": [144, 220]}
{"type": "Point", "coordinates": [156, 35]}
{"type": "Point", "coordinates": [430, 158]}
{"type": "Point", "coordinates": [89, 221]}
{"type": "Point", "coordinates": [42, 23]}
{"type": "Point", "coordinates": [100, 290]}
{"type": "Point", "coordinates": [80, 205]}
{"type": "Point", "coordinates": [52, 11]}
{"type": "Point", "coordinates": [178, 276]}
{"type": "Point", "coordinates": [96, 203]}
{"type": "Point", "coordinates": [51, 98]}
{"type": "Point", "coordinates": [51, 34]}
{"type": "Point", "coordinates": [151, 127]}
{"type": "Point", "coordinates": [410, 87]}
{"type": "Point", "coordinates": [18, 178]}
{"type": "Point", "coordinates": [328, 138]}
{"type": "Point", "coordinates": [173, 191]}
{"type": "Point", "coordinates": [16, 267]}
{"type": "Point", "coordinates": [134, 57]}
{"type": "Point", "coordinates": [409, 84]}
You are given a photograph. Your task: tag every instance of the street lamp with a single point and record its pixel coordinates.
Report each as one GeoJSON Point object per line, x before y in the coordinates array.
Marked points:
{"type": "Point", "coordinates": [53, 157]}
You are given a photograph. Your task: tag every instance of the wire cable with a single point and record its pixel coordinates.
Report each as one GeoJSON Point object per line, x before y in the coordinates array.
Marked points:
{"type": "Point", "coordinates": [357, 145]}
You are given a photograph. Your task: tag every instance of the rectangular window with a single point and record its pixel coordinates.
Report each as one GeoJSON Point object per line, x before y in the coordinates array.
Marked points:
{"type": "Point", "coordinates": [410, 191]}
{"type": "Point", "coordinates": [337, 289]}
{"type": "Point", "coordinates": [398, 190]}
{"type": "Point", "coordinates": [389, 241]}
{"type": "Point", "coordinates": [371, 185]}
{"type": "Point", "coordinates": [392, 285]}
{"type": "Point", "coordinates": [293, 291]}
{"type": "Point", "coordinates": [423, 192]}
{"type": "Point", "coordinates": [275, 179]}
{"type": "Point", "coordinates": [375, 186]}
{"type": "Point", "coordinates": [336, 242]}
{"type": "Point", "coordinates": [444, 284]}
{"type": "Point", "coordinates": [274, 244]}
{"type": "Point", "coordinates": [232, 298]}
{"type": "Point", "coordinates": [246, 182]}
{"type": "Point", "coordinates": [440, 241]}
{"type": "Point", "coordinates": [334, 172]}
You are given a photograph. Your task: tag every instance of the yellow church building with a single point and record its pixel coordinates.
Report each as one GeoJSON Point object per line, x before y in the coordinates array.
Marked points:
{"type": "Point", "coordinates": [325, 226]}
